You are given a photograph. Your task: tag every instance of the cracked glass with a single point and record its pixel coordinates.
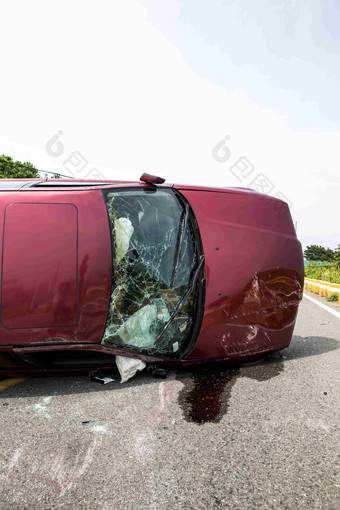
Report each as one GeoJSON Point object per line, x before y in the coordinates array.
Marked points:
{"type": "Point", "coordinates": [155, 268]}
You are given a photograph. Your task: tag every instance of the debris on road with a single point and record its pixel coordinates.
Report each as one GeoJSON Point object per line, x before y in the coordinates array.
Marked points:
{"type": "Point", "coordinates": [98, 376]}
{"type": "Point", "coordinates": [158, 372]}
{"type": "Point", "coordinates": [128, 367]}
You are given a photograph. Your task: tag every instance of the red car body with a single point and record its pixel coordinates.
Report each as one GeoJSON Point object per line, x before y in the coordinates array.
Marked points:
{"type": "Point", "coordinates": [57, 273]}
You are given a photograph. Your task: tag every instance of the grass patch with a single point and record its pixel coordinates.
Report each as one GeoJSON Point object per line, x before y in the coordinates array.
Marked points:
{"type": "Point", "coordinates": [334, 297]}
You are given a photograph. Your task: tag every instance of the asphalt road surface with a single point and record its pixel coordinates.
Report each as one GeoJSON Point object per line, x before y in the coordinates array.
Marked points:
{"type": "Point", "coordinates": [263, 435]}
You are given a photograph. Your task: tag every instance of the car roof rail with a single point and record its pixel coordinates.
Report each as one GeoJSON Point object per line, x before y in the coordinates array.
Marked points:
{"type": "Point", "coordinates": [66, 184]}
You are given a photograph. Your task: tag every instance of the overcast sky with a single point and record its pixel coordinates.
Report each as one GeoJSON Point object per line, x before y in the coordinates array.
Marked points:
{"type": "Point", "coordinates": [182, 89]}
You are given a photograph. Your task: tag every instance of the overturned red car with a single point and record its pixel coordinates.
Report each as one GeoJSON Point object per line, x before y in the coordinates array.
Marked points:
{"type": "Point", "coordinates": [149, 270]}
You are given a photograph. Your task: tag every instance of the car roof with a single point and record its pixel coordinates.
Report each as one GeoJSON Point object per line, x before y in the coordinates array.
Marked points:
{"type": "Point", "coordinates": [87, 185]}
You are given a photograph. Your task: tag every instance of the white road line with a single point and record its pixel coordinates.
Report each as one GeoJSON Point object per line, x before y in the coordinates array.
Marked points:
{"type": "Point", "coordinates": [330, 310]}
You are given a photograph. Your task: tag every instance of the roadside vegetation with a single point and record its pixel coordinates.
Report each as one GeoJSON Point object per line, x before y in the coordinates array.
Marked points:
{"type": "Point", "coordinates": [11, 169]}
{"type": "Point", "coordinates": [322, 263]}
{"type": "Point", "coordinates": [334, 297]}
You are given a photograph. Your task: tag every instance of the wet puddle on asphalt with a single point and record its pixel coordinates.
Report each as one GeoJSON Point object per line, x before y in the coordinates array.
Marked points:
{"type": "Point", "coordinates": [207, 390]}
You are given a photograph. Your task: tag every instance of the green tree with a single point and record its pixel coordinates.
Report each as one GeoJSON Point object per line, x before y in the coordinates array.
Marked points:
{"type": "Point", "coordinates": [10, 169]}
{"type": "Point", "coordinates": [329, 255]}
{"type": "Point", "coordinates": [337, 257]}
{"type": "Point", "coordinates": [315, 252]}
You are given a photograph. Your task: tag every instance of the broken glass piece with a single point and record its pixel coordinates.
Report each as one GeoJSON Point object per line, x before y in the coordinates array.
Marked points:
{"type": "Point", "coordinates": [153, 296]}
{"type": "Point", "coordinates": [180, 244]}
{"type": "Point", "coordinates": [138, 330]}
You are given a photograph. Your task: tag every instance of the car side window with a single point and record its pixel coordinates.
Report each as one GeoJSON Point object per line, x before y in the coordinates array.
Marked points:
{"type": "Point", "coordinates": [152, 305]}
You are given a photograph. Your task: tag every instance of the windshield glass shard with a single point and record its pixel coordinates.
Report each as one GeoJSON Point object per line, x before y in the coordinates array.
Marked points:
{"type": "Point", "coordinates": [153, 299]}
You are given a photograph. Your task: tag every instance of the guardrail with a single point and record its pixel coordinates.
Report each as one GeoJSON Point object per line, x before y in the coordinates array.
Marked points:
{"type": "Point", "coordinates": [321, 287]}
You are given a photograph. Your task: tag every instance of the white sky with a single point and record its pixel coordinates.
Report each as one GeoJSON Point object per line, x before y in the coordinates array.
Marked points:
{"type": "Point", "coordinates": [154, 86]}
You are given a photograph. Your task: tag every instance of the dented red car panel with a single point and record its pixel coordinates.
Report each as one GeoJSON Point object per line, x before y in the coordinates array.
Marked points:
{"type": "Point", "coordinates": [239, 296]}
{"type": "Point", "coordinates": [254, 271]}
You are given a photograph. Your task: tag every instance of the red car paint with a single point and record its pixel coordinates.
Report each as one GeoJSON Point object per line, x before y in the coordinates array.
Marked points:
{"type": "Point", "coordinates": [56, 274]}
{"type": "Point", "coordinates": [55, 279]}
{"type": "Point", "coordinates": [254, 270]}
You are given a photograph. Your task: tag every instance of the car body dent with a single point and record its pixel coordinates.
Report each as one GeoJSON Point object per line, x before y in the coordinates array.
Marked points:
{"type": "Point", "coordinates": [251, 284]}
{"type": "Point", "coordinates": [254, 273]}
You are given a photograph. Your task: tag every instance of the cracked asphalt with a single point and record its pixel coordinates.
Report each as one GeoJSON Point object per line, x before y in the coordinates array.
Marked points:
{"type": "Point", "coordinates": [257, 436]}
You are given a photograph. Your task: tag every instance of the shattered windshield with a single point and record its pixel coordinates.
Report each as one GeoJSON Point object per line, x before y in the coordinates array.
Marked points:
{"type": "Point", "coordinates": [152, 305]}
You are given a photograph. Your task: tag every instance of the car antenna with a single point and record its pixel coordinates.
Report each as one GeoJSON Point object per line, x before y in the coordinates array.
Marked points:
{"type": "Point", "coordinates": [44, 171]}
{"type": "Point", "coordinates": [55, 173]}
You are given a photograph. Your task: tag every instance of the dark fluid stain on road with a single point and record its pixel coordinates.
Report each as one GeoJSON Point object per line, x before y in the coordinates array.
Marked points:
{"type": "Point", "coordinates": [207, 389]}
{"type": "Point", "coordinates": [206, 393]}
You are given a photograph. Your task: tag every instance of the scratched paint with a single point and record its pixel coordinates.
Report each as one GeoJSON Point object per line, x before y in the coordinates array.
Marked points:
{"type": "Point", "coordinates": [62, 468]}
